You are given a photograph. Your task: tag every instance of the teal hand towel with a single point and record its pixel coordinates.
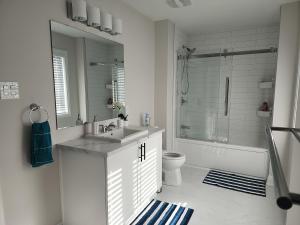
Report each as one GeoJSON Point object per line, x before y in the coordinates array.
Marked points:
{"type": "Point", "coordinates": [41, 144]}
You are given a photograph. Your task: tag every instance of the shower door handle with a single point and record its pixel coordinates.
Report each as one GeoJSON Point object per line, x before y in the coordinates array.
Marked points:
{"type": "Point", "coordinates": [226, 96]}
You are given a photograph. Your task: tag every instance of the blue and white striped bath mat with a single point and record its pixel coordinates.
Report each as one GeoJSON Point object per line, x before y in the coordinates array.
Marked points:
{"type": "Point", "coordinates": [161, 213]}
{"type": "Point", "coordinates": [255, 186]}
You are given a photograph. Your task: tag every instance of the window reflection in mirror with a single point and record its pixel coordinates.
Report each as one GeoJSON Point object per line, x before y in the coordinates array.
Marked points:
{"type": "Point", "coordinates": [88, 73]}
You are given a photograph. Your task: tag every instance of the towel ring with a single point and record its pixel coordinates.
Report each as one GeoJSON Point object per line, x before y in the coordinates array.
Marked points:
{"type": "Point", "coordinates": [34, 107]}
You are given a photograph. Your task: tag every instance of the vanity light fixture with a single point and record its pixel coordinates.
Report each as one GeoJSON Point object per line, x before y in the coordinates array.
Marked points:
{"type": "Point", "coordinates": [106, 21]}
{"type": "Point", "coordinates": [79, 10]}
{"type": "Point", "coordinates": [116, 26]}
{"type": "Point", "coordinates": [93, 15]}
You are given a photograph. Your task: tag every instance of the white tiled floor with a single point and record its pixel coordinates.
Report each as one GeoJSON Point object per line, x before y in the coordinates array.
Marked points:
{"type": "Point", "coordinates": [219, 206]}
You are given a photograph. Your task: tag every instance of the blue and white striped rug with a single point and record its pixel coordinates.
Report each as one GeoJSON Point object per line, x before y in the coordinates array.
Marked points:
{"type": "Point", "coordinates": [232, 181]}
{"type": "Point", "coordinates": [163, 213]}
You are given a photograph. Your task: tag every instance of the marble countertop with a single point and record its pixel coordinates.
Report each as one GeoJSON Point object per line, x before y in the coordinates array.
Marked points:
{"type": "Point", "coordinates": [105, 148]}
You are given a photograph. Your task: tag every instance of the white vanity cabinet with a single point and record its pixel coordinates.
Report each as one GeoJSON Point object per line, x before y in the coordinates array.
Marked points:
{"type": "Point", "coordinates": [109, 189]}
{"type": "Point", "coordinates": [122, 185]}
{"type": "Point", "coordinates": [150, 169]}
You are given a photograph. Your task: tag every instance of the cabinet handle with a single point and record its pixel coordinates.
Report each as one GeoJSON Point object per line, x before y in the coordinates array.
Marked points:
{"type": "Point", "coordinates": [141, 153]}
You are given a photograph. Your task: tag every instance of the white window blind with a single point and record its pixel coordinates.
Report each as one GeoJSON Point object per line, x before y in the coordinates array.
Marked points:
{"type": "Point", "coordinates": [60, 82]}
{"type": "Point", "coordinates": [118, 76]}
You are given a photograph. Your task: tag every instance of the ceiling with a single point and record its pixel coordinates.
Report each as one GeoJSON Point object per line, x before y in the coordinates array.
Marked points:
{"type": "Point", "coordinates": [207, 16]}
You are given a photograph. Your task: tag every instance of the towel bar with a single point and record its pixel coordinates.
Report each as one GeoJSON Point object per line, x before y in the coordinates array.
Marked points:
{"type": "Point", "coordinates": [285, 199]}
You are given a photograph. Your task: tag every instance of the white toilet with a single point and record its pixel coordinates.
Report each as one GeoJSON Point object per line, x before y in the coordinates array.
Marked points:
{"type": "Point", "coordinates": [171, 163]}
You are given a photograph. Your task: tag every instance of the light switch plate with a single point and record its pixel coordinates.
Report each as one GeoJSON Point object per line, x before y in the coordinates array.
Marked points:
{"type": "Point", "coordinates": [9, 90]}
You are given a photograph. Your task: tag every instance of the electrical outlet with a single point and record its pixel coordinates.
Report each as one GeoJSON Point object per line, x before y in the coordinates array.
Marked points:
{"type": "Point", "coordinates": [9, 90]}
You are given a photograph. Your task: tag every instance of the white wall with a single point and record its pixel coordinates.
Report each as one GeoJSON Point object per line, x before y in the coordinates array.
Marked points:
{"type": "Point", "coordinates": [285, 108]}
{"type": "Point", "coordinates": [31, 196]}
{"type": "Point", "coordinates": [293, 215]}
{"type": "Point", "coordinates": [164, 78]}
{"type": "Point", "coordinates": [287, 64]}
{"type": "Point", "coordinates": [2, 221]}
{"type": "Point", "coordinates": [285, 77]}
{"type": "Point", "coordinates": [168, 39]}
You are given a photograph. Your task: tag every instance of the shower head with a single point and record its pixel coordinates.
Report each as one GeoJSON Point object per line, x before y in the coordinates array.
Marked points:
{"type": "Point", "coordinates": [189, 51]}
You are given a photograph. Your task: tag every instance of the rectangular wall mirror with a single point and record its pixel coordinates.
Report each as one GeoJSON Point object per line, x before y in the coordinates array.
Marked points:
{"type": "Point", "coordinates": [88, 73]}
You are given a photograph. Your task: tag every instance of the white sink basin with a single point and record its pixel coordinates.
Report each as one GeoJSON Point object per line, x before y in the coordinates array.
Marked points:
{"type": "Point", "coordinates": [123, 135]}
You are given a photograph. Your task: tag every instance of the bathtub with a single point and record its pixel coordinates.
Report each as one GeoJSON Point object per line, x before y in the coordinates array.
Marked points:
{"type": "Point", "coordinates": [250, 161]}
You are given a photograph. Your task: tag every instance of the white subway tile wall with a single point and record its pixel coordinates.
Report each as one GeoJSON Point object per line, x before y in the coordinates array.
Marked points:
{"type": "Point", "coordinates": [204, 111]}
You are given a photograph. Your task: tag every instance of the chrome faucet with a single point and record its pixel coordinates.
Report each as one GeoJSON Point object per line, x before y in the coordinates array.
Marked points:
{"type": "Point", "coordinates": [111, 126]}
{"type": "Point", "coordinates": [105, 128]}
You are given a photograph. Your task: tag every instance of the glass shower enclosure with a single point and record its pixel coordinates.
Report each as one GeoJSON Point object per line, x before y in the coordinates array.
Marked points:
{"type": "Point", "coordinates": [219, 95]}
{"type": "Point", "coordinates": [202, 99]}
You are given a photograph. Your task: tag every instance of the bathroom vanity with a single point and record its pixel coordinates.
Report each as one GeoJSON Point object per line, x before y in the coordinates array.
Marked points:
{"type": "Point", "coordinates": [109, 177]}
{"type": "Point", "coordinates": [104, 182]}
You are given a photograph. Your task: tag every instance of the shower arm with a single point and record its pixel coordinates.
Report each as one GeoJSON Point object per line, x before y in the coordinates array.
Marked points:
{"type": "Point", "coordinates": [285, 199]}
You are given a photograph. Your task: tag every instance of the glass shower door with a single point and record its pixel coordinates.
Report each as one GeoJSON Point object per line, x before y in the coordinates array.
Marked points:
{"type": "Point", "coordinates": [201, 102]}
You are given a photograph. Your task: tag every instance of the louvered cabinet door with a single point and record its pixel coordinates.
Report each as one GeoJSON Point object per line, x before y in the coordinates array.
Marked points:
{"type": "Point", "coordinates": [122, 185]}
{"type": "Point", "coordinates": [151, 168]}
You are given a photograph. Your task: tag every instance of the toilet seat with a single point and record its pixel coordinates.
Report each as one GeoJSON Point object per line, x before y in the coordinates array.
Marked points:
{"type": "Point", "coordinates": [173, 156]}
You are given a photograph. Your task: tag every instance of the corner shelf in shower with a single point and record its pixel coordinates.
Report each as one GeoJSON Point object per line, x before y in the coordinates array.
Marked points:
{"type": "Point", "coordinates": [266, 85]}
{"type": "Point", "coordinates": [264, 114]}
